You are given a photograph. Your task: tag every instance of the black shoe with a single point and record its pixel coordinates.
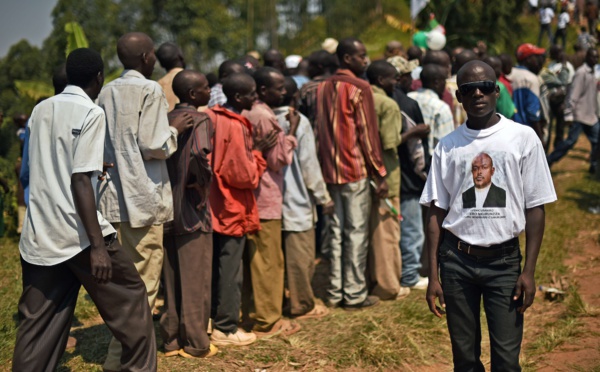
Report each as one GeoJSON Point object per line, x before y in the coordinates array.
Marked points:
{"type": "Point", "coordinates": [332, 305]}
{"type": "Point", "coordinates": [368, 302]}
{"type": "Point", "coordinates": [593, 169]}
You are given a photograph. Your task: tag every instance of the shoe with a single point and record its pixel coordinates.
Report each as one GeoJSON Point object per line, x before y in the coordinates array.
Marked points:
{"type": "Point", "coordinates": [283, 326]}
{"type": "Point", "coordinates": [332, 305]}
{"type": "Point", "coordinates": [172, 353]}
{"type": "Point", "coordinates": [422, 283]}
{"type": "Point", "coordinates": [368, 302]}
{"type": "Point", "coordinates": [239, 338]}
{"type": "Point", "coordinates": [404, 291]}
{"type": "Point", "coordinates": [212, 351]}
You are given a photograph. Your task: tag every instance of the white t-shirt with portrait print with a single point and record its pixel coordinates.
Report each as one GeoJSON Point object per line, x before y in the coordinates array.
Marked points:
{"type": "Point", "coordinates": [521, 180]}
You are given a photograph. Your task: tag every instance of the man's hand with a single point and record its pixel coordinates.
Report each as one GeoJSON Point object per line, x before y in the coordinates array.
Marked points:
{"type": "Point", "coordinates": [434, 290]}
{"type": "Point", "coordinates": [328, 208]}
{"type": "Point", "coordinates": [105, 167]}
{"type": "Point", "coordinates": [101, 265]}
{"type": "Point", "coordinates": [382, 189]}
{"type": "Point", "coordinates": [294, 118]}
{"type": "Point", "coordinates": [525, 286]}
{"type": "Point", "coordinates": [182, 122]}
{"type": "Point", "coordinates": [264, 143]}
{"type": "Point", "coordinates": [418, 131]}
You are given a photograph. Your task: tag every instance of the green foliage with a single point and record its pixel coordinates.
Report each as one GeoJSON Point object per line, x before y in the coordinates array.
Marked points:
{"type": "Point", "coordinates": [76, 37]}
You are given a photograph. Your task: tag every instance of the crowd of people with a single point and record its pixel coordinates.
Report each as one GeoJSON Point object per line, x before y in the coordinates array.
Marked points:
{"type": "Point", "coordinates": [228, 189]}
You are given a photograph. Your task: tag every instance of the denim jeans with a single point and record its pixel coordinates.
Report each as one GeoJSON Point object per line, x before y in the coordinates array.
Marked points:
{"type": "Point", "coordinates": [574, 132]}
{"type": "Point", "coordinates": [412, 238]}
{"type": "Point", "coordinates": [465, 279]}
{"type": "Point", "coordinates": [349, 244]}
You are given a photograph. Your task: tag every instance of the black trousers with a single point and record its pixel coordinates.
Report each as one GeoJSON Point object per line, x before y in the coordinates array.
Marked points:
{"type": "Point", "coordinates": [48, 301]}
{"type": "Point", "coordinates": [227, 281]}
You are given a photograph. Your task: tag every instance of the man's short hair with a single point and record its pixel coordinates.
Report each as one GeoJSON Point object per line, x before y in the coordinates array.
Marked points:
{"type": "Point", "coordinates": [346, 46]}
{"type": "Point", "coordinates": [225, 68]}
{"type": "Point", "coordinates": [431, 73]}
{"type": "Point", "coordinates": [59, 79]}
{"type": "Point", "coordinates": [168, 55]}
{"type": "Point", "coordinates": [378, 69]}
{"type": "Point", "coordinates": [237, 83]}
{"type": "Point", "coordinates": [83, 65]}
{"type": "Point", "coordinates": [290, 88]}
{"type": "Point", "coordinates": [263, 76]}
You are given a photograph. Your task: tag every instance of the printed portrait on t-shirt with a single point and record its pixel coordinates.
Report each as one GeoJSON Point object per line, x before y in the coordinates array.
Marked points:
{"type": "Point", "coordinates": [484, 193]}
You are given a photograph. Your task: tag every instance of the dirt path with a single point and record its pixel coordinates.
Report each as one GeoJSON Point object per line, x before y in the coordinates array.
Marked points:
{"type": "Point", "coordinates": [583, 352]}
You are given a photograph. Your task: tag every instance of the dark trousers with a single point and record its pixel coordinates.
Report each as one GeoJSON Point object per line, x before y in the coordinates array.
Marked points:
{"type": "Point", "coordinates": [592, 133]}
{"type": "Point", "coordinates": [300, 268]}
{"type": "Point", "coordinates": [545, 29]}
{"type": "Point", "coordinates": [562, 34]}
{"type": "Point", "coordinates": [465, 280]}
{"type": "Point", "coordinates": [227, 281]}
{"type": "Point", "coordinates": [48, 301]}
{"type": "Point", "coordinates": [187, 276]}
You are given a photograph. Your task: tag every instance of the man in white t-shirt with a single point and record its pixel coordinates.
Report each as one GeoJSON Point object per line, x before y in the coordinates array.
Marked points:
{"type": "Point", "coordinates": [477, 246]}
{"type": "Point", "coordinates": [66, 242]}
{"type": "Point", "coordinates": [546, 17]}
{"type": "Point", "coordinates": [561, 27]}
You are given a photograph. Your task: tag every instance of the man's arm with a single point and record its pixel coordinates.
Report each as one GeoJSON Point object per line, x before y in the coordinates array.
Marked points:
{"type": "Point", "coordinates": [535, 220]}
{"type": "Point", "coordinates": [369, 141]}
{"type": "Point", "coordinates": [85, 205]}
{"type": "Point", "coordinates": [435, 217]}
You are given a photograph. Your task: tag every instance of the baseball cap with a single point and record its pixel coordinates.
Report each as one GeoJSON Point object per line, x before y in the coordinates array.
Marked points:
{"type": "Point", "coordinates": [526, 50]}
{"type": "Point", "coordinates": [292, 61]}
{"type": "Point", "coordinates": [402, 65]}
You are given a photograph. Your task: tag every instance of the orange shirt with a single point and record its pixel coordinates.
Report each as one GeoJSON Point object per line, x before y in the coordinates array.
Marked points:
{"type": "Point", "coordinates": [237, 170]}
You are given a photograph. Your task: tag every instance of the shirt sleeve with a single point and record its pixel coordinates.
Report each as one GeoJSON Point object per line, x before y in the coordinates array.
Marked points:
{"type": "Point", "coordinates": [156, 139]}
{"type": "Point", "coordinates": [282, 153]}
{"type": "Point", "coordinates": [390, 125]}
{"type": "Point", "coordinates": [368, 133]}
{"type": "Point", "coordinates": [200, 149]}
{"type": "Point", "coordinates": [309, 164]}
{"type": "Point", "coordinates": [538, 187]}
{"type": "Point", "coordinates": [88, 152]}
{"type": "Point", "coordinates": [575, 94]}
{"type": "Point", "coordinates": [435, 192]}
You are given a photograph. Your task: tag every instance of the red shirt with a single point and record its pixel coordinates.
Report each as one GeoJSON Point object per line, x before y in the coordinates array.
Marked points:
{"type": "Point", "coordinates": [504, 80]}
{"type": "Point", "coordinates": [237, 170]}
{"type": "Point", "coordinates": [347, 131]}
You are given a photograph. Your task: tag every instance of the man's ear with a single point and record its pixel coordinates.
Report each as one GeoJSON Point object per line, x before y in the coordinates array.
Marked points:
{"type": "Point", "coordinates": [347, 58]}
{"type": "Point", "coordinates": [100, 78]}
{"type": "Point", "coordinates": [458, 96]}
{"type": "Point", "coordinates": [262, 90]}
{"type": "Point", "coordinates": [237, 97]}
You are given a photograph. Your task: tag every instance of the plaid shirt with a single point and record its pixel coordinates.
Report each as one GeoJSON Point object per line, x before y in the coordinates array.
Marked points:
{"type": "Point", "coordinates": [217, 97]}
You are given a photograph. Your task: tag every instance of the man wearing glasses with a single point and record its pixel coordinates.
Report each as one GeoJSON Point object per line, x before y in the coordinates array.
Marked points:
{"type": "Point", "coordinates": [477, 246]}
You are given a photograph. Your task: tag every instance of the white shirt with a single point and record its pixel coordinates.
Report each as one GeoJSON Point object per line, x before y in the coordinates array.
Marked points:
{"type": "Point", "coordinates": [521, 171]}
{"type": "Point", "coordinates": [546, 15]}
{"type": "Point", "coordinates": [480, 195]}
{"type": "Point", "coordinates": [563, 20]}
{"type": "Point", "coordinates": [139, 140]}
{"type": "Point", "coordinates": [436, 114]}
{"type": "Point", "coordinates": [66, 136]}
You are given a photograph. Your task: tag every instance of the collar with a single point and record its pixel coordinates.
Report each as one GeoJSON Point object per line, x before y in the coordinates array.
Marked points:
{"type": "Point", "coordinates": [281, 109]}
{"type": "Point", "coordinates": [378, 90]}
{"type": "Point", "coordinates": [232, 115]}
{"type": "Point", "coordinates": [184, 107]}
{"type": "Point", "coordinates": [77, 91]}
{"type": "Point", "coordinates": [345, 72]}
{"type": "Point", "coordinates": [132, 74]}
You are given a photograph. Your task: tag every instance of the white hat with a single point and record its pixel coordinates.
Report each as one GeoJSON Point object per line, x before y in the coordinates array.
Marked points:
{"type": "Point", "coordinates": [330, 44]}
{"type": "Point", "coordinates": [292, 61]}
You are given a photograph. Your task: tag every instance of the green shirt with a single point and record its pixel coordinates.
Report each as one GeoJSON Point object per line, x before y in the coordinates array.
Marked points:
{"type": "Point", "coordinates": [505, 105]}
{"type": "Point", "coordinates": [389, 120]}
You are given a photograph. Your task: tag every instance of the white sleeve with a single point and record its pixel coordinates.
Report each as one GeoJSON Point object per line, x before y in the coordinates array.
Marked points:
{"type": "Point", "coordinates": [88, 151]}
{"type": "Point", "coordinates": [434, 190]}
{"type": "Point", "coordinates": [538, 188]}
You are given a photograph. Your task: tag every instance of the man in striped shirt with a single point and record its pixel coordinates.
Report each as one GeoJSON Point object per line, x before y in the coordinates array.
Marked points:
{"type": "Point", "coordinates": [350, 153]}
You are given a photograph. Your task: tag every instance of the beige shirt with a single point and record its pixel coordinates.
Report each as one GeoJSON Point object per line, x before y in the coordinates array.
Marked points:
{"type": "Point", "coordinates": [66, 137]}
{"type": "Point", "coordinates": [166, 83]}
{"type": "Point", "coordinates": [139, 139]}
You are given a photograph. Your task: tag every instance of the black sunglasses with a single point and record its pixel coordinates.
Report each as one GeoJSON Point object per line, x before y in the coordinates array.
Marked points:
{"type": "Point", "coordinates": [486, 87]}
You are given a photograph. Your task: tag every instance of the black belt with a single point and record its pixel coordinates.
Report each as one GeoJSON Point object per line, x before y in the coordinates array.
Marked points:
{"type": "Point", "coordinates": [496, 250]}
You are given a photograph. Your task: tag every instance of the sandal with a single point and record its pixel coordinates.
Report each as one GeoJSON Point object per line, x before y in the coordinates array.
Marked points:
{"type": "Point", "coordinates": [283, 326]}
{"type": "Point", "coordinates": [319, 311]}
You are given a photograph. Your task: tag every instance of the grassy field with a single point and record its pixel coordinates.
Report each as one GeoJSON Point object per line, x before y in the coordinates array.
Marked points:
{"type": "Point", "coordinates": [397, 335]}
